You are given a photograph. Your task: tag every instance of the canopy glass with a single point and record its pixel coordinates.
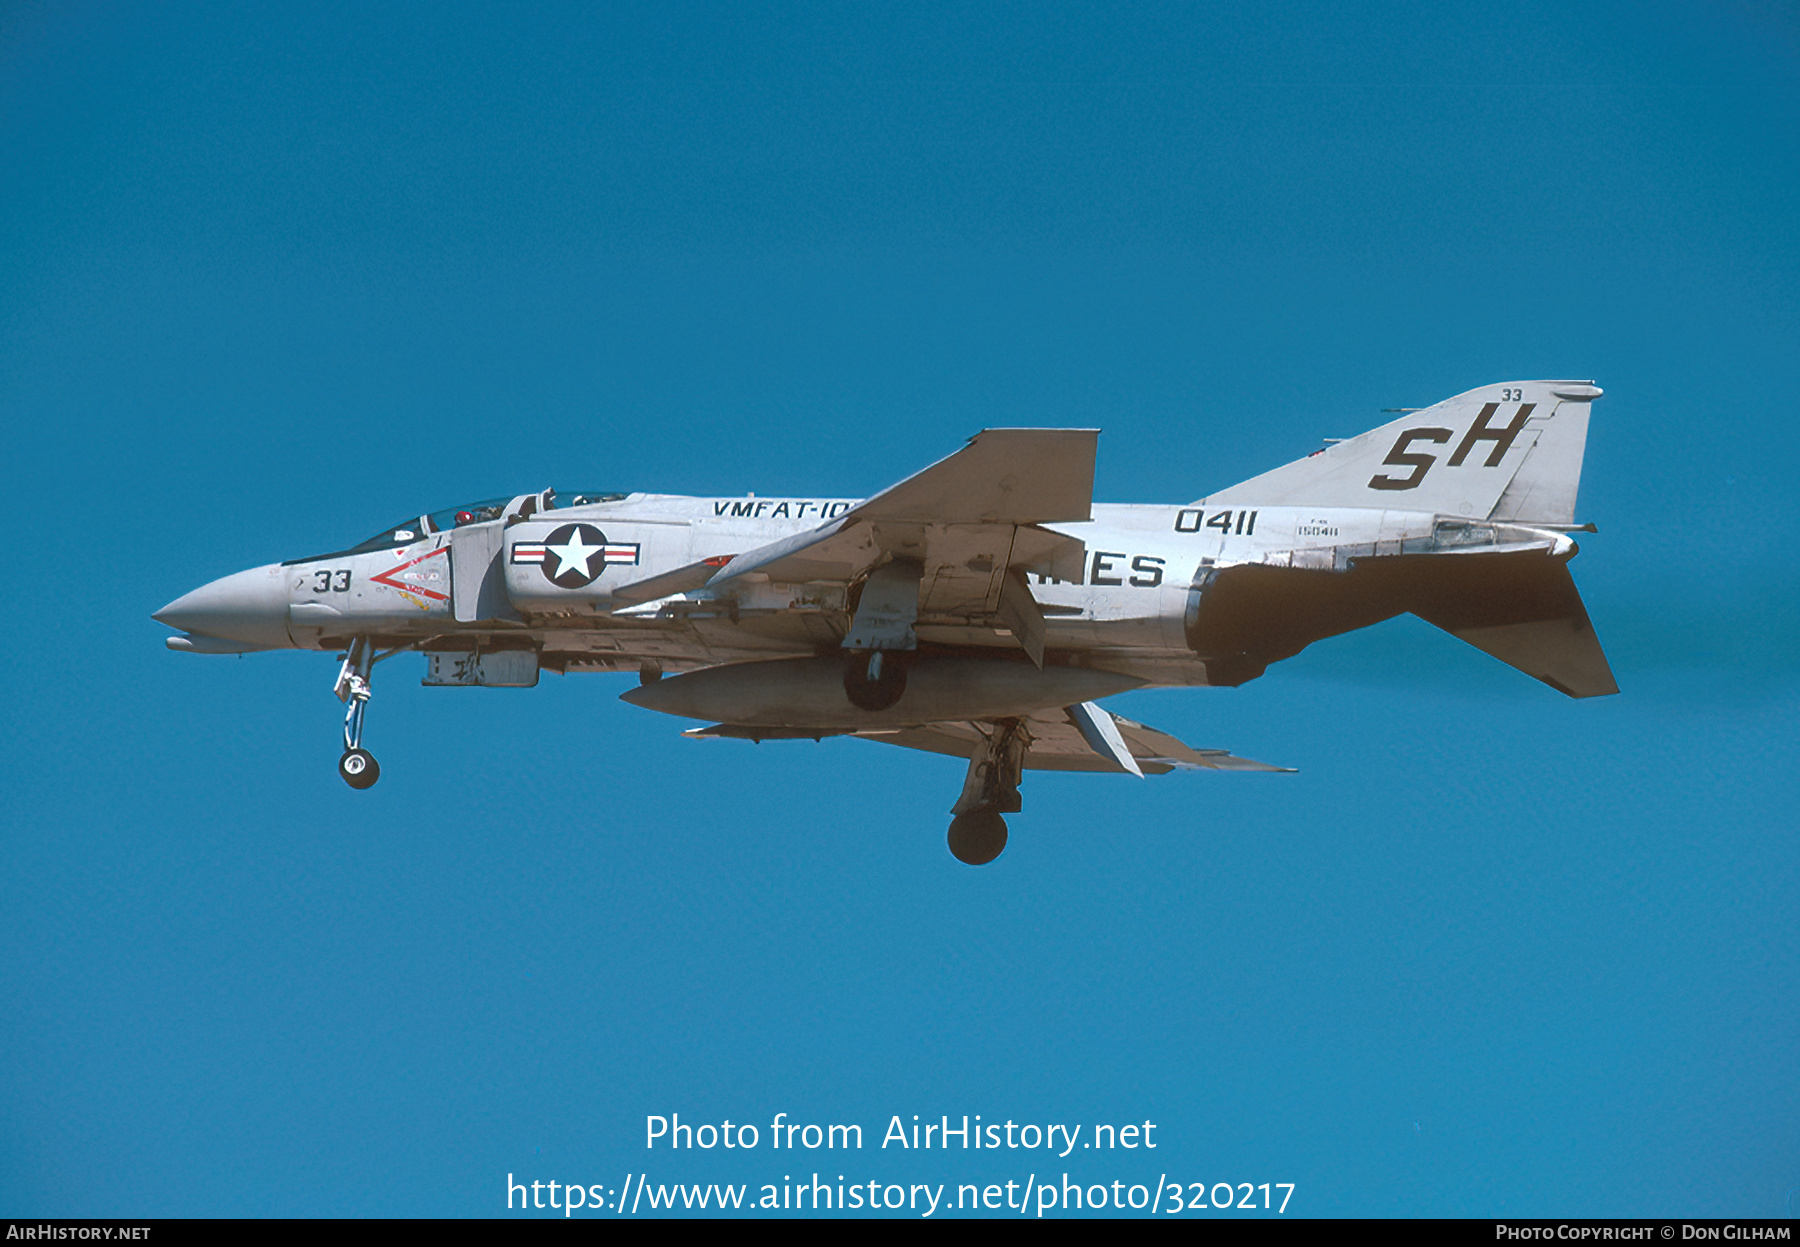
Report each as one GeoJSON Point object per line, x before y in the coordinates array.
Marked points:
{"type": "Point", "coordinates": [414, 527]}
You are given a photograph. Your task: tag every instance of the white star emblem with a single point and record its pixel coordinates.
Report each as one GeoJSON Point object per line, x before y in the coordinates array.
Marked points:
{"type": "Point", "coordinates": [573, 554]}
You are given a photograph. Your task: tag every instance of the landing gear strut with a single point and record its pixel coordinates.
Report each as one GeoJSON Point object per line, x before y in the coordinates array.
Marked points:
{"type": "Point", "coordinates": [978, 833]}
{"type": "Point", "coordinates": [357, 766]}
{"type": "Point", "coordinates": [881, 637]}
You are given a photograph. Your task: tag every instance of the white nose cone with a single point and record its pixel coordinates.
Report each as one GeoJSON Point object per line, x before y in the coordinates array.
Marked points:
{"type": "Point", "coordinates": [249, 606]}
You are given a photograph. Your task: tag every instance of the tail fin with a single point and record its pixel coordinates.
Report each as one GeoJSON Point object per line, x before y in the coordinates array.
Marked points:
{"type": "Point", "coordinates": [1502, 452]}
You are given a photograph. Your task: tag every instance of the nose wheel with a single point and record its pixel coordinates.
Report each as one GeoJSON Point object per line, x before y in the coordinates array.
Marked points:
{"type": "Point", "coordinates": [357, 767]}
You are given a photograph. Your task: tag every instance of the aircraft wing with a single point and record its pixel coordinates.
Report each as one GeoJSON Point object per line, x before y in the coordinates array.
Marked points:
{"type": "Point", "coordinates": [968, 518]}
{"type": "Point", "coordinates": [681, 580]}
{"type": "Point", "coordinates": [1003, 476]}
{"type": "Point", "coordinates": [1059, 742]}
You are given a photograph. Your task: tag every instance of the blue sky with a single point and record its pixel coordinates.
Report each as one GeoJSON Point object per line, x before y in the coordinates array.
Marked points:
{"type": "Point", "coordinates": [273, 277]}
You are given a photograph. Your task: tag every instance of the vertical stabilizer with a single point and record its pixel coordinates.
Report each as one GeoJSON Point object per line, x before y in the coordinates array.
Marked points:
{"type": "Point", "coordinates": [1506, 452]}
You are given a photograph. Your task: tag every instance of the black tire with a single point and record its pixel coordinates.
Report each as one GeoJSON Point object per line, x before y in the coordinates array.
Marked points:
{"type": "Point", "coordinates": [977, 838]}
{"type": "Point", "coordinates": [881, 692]}
{"type": "Point", "coordinates": [358, 768]}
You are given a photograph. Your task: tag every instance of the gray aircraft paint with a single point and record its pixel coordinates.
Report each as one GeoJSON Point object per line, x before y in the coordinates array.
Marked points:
{"type": "Point", "coordinates": [1030, 598]}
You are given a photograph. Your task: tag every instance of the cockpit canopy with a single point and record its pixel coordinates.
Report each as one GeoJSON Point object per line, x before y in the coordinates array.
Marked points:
{"type": "Point", "coordinates": [414, 527]}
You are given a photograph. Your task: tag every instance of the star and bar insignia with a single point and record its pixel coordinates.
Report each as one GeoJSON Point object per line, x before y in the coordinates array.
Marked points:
{"type": "Point", "coordinates": [573, 556]}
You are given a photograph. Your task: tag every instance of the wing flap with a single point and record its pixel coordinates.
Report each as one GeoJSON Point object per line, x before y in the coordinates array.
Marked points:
{"type": "Point", "coordinates": [1019, 611]}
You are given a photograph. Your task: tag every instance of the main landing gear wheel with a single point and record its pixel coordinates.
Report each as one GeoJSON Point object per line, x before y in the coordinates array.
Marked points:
{"type": "Point", "coordinates": [874, 680]}
{"type": "Point", "coordinates": [978, 837]}
{"type": "Point", "coordinates": [358, 768]}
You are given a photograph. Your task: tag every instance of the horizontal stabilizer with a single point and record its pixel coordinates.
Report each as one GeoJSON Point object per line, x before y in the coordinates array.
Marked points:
{"type": "Point", "coordinates": [1529, 615]}
{"type": "Point", "coordinates": [1521, 606]}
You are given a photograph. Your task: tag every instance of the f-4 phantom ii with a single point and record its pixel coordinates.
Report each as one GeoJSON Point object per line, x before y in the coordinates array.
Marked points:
{"type": "Point", "coordinates": [979, 608]}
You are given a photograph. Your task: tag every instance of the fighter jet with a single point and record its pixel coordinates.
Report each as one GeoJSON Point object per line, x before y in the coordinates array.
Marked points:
{"type": "Point", "coordinates": [979, 608]}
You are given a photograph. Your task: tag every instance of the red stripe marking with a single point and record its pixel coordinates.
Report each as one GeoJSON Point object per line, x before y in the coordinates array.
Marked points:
{"type": "Point", "coordinates": [386, 577]}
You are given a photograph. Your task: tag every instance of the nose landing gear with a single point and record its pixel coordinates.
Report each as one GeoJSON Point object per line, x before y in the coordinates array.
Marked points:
{"type": "Point", "coordinates": [358, 766]}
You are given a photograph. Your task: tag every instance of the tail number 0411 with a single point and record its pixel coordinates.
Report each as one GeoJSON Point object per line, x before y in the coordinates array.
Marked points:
{"type": "Point", "coordinates": [1192, 520]}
